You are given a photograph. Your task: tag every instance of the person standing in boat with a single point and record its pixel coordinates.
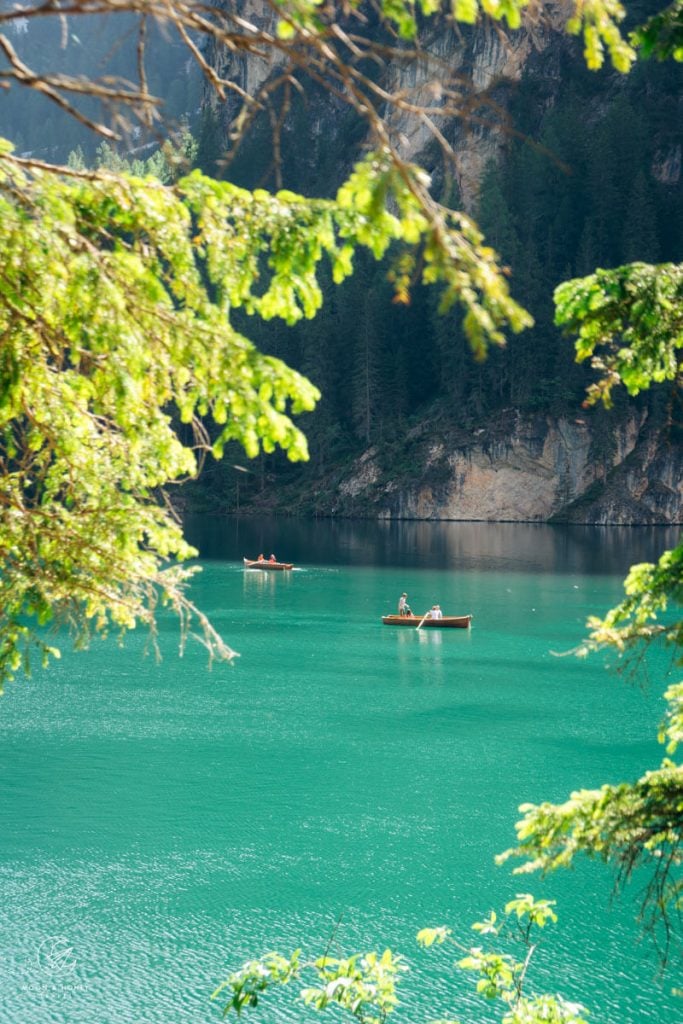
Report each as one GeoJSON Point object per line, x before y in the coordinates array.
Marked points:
{"type": "Point", "coordinates": [403, 606]}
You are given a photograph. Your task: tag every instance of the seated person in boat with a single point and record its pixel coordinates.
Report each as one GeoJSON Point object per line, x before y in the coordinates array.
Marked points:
{"type": "Point", "coordinates": [261, 558]}
{"type": "Point", "coordinates": [434, 612]}
{"type": "Point", "coordinates": [272, 558]}
{"type": "Point", "coordinates": [403, 606]}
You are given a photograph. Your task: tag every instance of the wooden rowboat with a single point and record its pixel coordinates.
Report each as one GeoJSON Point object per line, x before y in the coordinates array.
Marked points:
{"type": "Point", "coordinates": [447, 622]}
{"type": "Point", "coordinates": [265, 564]}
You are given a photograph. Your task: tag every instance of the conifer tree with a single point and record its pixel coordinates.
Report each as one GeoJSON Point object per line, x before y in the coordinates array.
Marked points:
{"type": "Point", "coordinates": [639, 234]}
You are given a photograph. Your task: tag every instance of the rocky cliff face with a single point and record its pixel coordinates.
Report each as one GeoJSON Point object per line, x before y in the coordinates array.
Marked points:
{"type": "Point", "coordinates": [477, 64]}
{"type": "Point", "coordinates": [483, 62]}
{"type": "Point", "coordinates": [525, 470]}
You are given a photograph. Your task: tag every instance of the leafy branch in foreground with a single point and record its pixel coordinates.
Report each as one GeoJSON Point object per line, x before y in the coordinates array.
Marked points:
{"type": "Point", "coordinates": [650, 588]}
{"type": "Point", "coordinates": [365, 985]}
{"type": "Point", "coordinates": [115, 301]}
{"type": "Point", "coordinates": [629, 322]}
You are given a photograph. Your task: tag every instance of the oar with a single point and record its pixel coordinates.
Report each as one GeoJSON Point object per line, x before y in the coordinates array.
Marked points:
{"type": "Point", "coordinates": [423, 618]}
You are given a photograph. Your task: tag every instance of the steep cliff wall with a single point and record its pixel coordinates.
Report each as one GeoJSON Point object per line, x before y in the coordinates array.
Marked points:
{"type": "Point", "coordinates": [515, 469]}
{"type": "Point", "coordinates": [482, 63]}
{"type": "Point", "coordinates": [476, 64]}
{"type": "Point", "coordinates": [524, 470]}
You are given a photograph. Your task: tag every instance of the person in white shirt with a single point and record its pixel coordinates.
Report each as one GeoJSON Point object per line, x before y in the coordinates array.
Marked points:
{"type": "Point", "coordinates": [403, 606]}
{"type": "Point", "coordinates": [434, 612]}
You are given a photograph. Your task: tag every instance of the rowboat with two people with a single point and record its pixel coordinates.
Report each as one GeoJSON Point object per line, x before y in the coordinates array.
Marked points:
{"type": "Point", "coordinates": [269, 564]}
{"type": "Point", "coordinates": [445, 622]}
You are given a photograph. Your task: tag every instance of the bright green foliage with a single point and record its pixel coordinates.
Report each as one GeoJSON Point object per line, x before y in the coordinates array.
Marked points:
{"type": "Point", "coordinates": [610, 822]}
{"type": "Point", "coordinates": [599, 21]}
{"type": "Point", "coordinates": [365, 985]}
{"type": "Point", "coordinates": [662, 35]}
{"type": "Point", "coordinates": [671, 731]}
{"type": "Point", "coordinates": [453, 252]}
{"type": "Point", "coordinates": [256, 977]}
{"type": "Point", "coordinates": [629, 322]}
{"type": "Point", "coordinates": [650, 589]}
{"type": "Point", "coordinates": [116, 295]}
{"type": "Point", "coordinates": [546, 1010]}
{"type": "Point", "coordinates": [502, 973]}
{"type": "Point", "coordinates": [428, 936]}
{"type": "Point", "coordinates": [536, 913]}
{"type": "Point", "coordinates": [629, 825]}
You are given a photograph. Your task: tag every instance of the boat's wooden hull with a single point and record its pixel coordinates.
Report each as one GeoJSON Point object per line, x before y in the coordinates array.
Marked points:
{"type": "Point", "coordinates": [447, 622]}
{"type": "Point", "coordinates": [270, 566]}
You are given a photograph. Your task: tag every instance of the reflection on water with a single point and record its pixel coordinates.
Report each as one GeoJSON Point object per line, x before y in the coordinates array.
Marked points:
{"type": "Point", "coordinates": [528, 547]}
{"type": "Point", "coordinates": [257, 581]}
{"type": "Point", "coordinates": [433, 637]}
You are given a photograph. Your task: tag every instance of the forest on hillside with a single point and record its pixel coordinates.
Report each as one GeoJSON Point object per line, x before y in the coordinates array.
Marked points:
{"type": "Point", "coordinates": [591, 177]}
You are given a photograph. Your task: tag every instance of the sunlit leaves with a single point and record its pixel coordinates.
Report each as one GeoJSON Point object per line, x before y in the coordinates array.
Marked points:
{"type": "Point", "coordinates": [671, 729]}
{"type": "Point", "coordinates": [598, 21]}
{"type": "Point", "coordinates": [639, 619]}
{"type": "Point", "coordinates": [489, 926]}
{"type": "Point", "coordinates": [629, 322]}
{"type": "Point", "coordinates": [546, 1009]}
{"type": "Point", "coordinates": [255, 977]}
{"type": "Point", "coordinates": [629, 825]}
{"type": "Point", "coordinates": [428, 936]}
{"type": "Point", "coordinates": [468, 11]}
{"type": "Point", "coordinates": [501, 973]}
{"type": "Point", "coordinates": [454, 255]}
{"type": "Point", "coordinates": [538, 912]}
{"type": "Point", "coordinates": [364, 985]}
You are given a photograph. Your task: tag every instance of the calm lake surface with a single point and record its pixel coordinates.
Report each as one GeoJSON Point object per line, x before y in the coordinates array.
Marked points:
{"type": "Point", "coordinates": [164, 822]}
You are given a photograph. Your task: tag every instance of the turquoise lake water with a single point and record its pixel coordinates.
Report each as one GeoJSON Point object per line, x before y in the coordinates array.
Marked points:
{"type": "Point", "coordinates": [165, 822]}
